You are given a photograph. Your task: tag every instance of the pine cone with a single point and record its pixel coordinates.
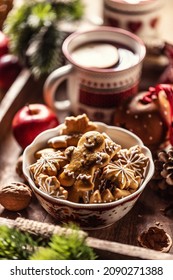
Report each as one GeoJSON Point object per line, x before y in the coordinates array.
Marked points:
{"type": "Point", "coordinates": [163, 176]}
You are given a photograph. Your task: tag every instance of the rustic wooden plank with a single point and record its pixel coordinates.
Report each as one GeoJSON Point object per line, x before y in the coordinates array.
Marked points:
{"type": "Point", "coordinates": [127, 250]}
{"type": "Point", "coordinates": [118, 241]}
{"type": "Point", "coordinates": [147, 212]}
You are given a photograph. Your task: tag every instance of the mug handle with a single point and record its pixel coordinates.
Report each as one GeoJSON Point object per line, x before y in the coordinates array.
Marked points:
{"type": "Point", "coordinates": [51, 85]}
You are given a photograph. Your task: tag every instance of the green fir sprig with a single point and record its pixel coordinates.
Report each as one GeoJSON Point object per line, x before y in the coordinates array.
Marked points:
{"type": "Point", "coordinates": [44, 52]}
{"type": "Point", "coordinates": [67, 247]}
{"type": "Point", "coordinates": [17, 245]}
{"type": "Point", "coordinates": [35, 35]}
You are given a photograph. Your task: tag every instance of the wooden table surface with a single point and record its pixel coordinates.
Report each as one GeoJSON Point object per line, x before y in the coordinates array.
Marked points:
{"type": "Point", "coordinates": [149, 209]}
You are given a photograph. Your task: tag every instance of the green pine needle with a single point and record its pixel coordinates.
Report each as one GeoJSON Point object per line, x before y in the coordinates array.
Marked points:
{"type": "Point", "coordinates": [15, 245]}
{"type": "Point", "coordinates": [71, 10]}
{"type": "Point", "coordinates": [26, 29]}
{"type": "Point", "coordinates": [44, 52]}
{"type": "Point", "coordinates": [70, 247]}
{"type": "Point", "coordinates": [45, 254]}
{"type": "Point", "coordinates": [41, 13]}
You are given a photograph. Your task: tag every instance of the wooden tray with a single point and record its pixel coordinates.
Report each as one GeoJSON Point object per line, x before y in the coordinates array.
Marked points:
{"type": "Point", "coordinates": [148, 211]}
{"type": "Point", "coordinates": [118, 241]}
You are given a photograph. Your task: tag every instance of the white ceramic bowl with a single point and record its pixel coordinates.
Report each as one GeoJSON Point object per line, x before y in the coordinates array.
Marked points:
{"type": "Point", "coordinates": [88, 216]}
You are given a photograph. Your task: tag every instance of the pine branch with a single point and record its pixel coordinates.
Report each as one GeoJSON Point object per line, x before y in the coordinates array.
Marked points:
{"type": "Point", "coordinates": [18, 245]}
{"type": "Point", "coordinates": [71, 9]}
{"type": "Point", "coordinates": [44, 52]}
{"type": "Point", "coordinates": [14, 245]}
{"type": "Point", "coordinates": [34, 34]}
{"type": "Point", "coordinates": [69, 247]}
{"type": "Point", "coordinates": [20, 42]}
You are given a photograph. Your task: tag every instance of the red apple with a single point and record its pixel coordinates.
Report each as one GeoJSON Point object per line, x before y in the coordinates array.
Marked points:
{"type": "Point", "coordinates": [9, 70]}
{"type": "Point", "coordinates": [31, 120]}
{"type": "Point", "coordinates": [3, 44]}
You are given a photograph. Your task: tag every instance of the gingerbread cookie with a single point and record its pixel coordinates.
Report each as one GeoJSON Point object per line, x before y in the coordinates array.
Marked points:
{"type": "Point", "coordinates": [78, 196]}
{"type": "Point", "coordinates": [77, 125]}
{"type": "Point", "coordinates": [73, 129]}
{"type": "Point", "coordinates": [51, 186]}
{"type": "Point", "coordinates": [63, 141]}
{"type": "Point", "coordinates": [134, 159]}
{"type": "Point", "coordinates": [101, 197]}
{"type": "Point", "coordinates": [84, 160]}
{"type": "Point", "coordinates": [48, 164]}
{"type": "Point", "coordinates": [95, 197]}
{"type": "Point", "coordinates": [110, 146]}
{"type": "Point", "coordinates": [38, 154]}
{"type": "Point", "coordinates": [118, 193]}
{"type": "Point", "coordinates": [121, 175]}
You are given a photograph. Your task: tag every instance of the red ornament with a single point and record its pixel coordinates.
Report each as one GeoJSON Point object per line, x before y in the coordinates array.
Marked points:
{"type": "Point", "coordinates": [149, 115]}
{"type": "Point", "coordinates": [168, 89]}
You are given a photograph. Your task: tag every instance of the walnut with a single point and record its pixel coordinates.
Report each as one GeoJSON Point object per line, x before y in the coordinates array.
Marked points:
{"type": "Point", "coordinates": [156, 239]}
{"type": "Point", "coordinates": [15, 196]}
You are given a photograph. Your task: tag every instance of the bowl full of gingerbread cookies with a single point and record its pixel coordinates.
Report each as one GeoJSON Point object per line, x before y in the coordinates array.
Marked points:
{"type": "Point", "coordinates": [87, 172]}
